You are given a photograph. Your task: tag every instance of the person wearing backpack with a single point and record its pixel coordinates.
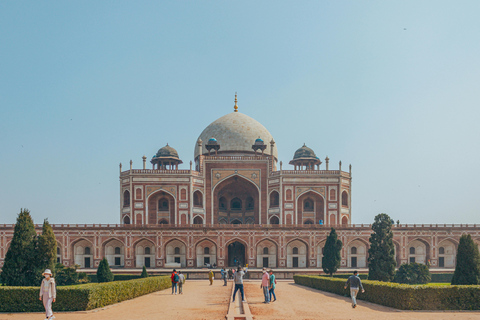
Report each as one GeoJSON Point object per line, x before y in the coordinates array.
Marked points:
{"type": "Point", "coordinates": [175, 279]}
{"type": "Point", "coordinates": [355, 285]}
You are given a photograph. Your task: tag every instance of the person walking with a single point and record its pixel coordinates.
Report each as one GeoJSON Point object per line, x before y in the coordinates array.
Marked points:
{"type": "Point", "coordinates": [238, 279]}
{"type": "Point", "coordinates": [265, 284]}
{"type": "Point", "coordinates": [211, 277]}
{"type": "Point", "coordinates": [355, 285]}
{"type": "Point", "coordinates": [181, 281]}
{"type": "Point", "coordinates": [48, 293]}
{"type": "Point", "coordinates": [175, 280]}
{"type": "Point", "coordinates": [224, 276]}
{"type": "Point", "coordinates": [271, 288]}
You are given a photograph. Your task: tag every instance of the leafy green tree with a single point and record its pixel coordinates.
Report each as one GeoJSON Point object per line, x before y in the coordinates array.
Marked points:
{"type": "Point", "coordinates": [467, 269]}
{"type": "Point", "coordinates": [413, 273]}
{"type": "Point", "coordinates": [46, 248]}
{"type": "Point", "coordinates": [331, 253]}
{"type": "Point", "coordinates": [104, 274]}
{"type": "Point", "coordinates": [144, 273]}
{"type": "Point", "coordinates": [66, 276]}
{"type": "Point", "coordinates": [381, 255]}
{"type": "Point", "coordinates": [19, 268]}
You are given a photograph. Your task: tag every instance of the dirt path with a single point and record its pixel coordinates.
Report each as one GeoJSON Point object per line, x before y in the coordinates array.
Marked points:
{"type": "Point", "coordinates": [296, 302]}
{"type": "Point", "coordinates": [200, 301]}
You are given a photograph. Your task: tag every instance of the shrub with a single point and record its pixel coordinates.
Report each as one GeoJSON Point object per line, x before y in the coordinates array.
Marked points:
{"type": "Point", "coordinates": [66, 276]}
{"type": "Point", "coordinates": [403, 296]}
{"type": "Point", "coordinates": [442, 277]}
{"type": "Point", "coordinates": [80, 297]}
{"type": "Point", "coordinates": [362, 276]}
{"type": "Point", "coordinates": [144, 273]}
{"type": "Point", "coordinates": [467, 269]}
{"type": "Point", "coordinates": [104, 274]}
{"type": "Point", "coordinates": [413, 273]}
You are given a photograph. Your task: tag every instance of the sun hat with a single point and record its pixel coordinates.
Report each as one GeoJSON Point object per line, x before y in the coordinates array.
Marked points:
{"type": "Point", "coordinates": [47, 271]}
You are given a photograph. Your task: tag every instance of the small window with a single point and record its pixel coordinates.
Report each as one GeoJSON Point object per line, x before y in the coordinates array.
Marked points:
{"type": "Point", "coordinates": [308, 205]}
{"type": "Point", "coordinates": [117, 261]}
{"type": "Point", "coordinates": [222, 203]}
{"type": "Point", "coordinates": [147, 250]}
{"type": "Point", "coordinates": [344, 199]}
{"type": "Point", "coordinates": [197, 220]}
{"type": "Point", "coordinates": [250, 203]}
{"type": "Point", "coordinates": [177, 259]}
{"type": "Point", "coordinates": [126, 220]}
{"type": "Point", "coordinates": [412, 259]}
{"type": "Point", "coordinates": [163, 205]}
{"type": "Point", "coordinates": [126, 198]}
{"type": "Point", "coordinates": [163, 221]}
{"type": "Point", "coordinates": [206, 250]}
{"type": "Point", "coordinates": [58, 250]}
{"type": "Point", "coordinates": [265, 250]}
{"type": "Point", "coordinates": [236, 204]}
{"type": "Point", "coordinates": [441, 250]}
{"type": "Point", "coordinates": [87, 250]}
{"type": "Point", "coordinates": [117, 250]}
{"type": "Point", "coordinates": [412, 250]}
{"type": "Point", "coordinates": [274, 220]}
{"type": "Point", "coordinates": [177, 250]}
{"type": "Point", "coordinates": [353, 250]}
{"type": "Point", "coordinates": [274, 199]}
{"type": "Point", "coordinates": [295, 250]}
{"type": "Point", "coordinates": [197, 199]}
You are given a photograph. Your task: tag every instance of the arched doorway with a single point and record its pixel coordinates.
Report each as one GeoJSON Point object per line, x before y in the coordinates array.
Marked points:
{"type": "Point", "coordinates": [236, 254]}
{"type": "Point", "coordinates": [236, 201]}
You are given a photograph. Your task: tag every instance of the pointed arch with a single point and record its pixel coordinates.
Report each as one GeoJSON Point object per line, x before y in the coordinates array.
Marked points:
{"type": "Point", "coordinates": [319, 210]}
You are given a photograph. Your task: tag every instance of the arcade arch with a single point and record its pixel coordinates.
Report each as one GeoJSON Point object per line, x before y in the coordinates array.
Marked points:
{"type": "Point", "coordinates": [236, 253]}
{"type": "Point", "coordinates": [161, 208]}
{"type": "Point", "coordinates": [266, 254]}
{"type": "Point", "coordinates": [145, 254]}
{"type": "Point", "coordinates": [114, 252]}
{"type": "Point", "coordinates": [357, 254]}
{"type": "Point", "coordinates": [296, 254]}
{"type": "Point", "coordinates": [417, 251]}
{"type": "Point", "coordinates": [310, 206]}
{"type": "Point", "coordinates": [206, 253]}
{"type": "Point", "coordinates": [446, 254]}
{"type": "Point", "coordinates": [175, 254]}
{"type": "Point", "coordinates": [320, 249]}
{"type": "Point", "coordinates": [83, 254]}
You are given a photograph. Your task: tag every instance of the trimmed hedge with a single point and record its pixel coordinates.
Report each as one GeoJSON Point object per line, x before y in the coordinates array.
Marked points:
{"type": "Point", "coordinates": [442, 277]}
{"type": "Point", "coordinates": [402, 296]}
{"type": "Point", "coordinates": [116, 277]}
{"type": "Point", "coordinates": [80, 297]}
{"type": "Point", "coordinates": [363, 276]}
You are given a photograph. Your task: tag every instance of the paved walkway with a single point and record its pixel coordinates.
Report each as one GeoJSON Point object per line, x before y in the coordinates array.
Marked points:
{"type": "Point", "coordinates": [202, 301]}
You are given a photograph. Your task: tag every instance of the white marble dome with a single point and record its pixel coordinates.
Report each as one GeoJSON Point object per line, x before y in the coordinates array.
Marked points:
{"type": "Point", "coordinates": [236, 133]}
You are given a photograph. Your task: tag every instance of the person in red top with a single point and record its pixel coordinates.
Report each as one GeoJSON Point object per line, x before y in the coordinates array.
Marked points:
{"type": "Point", "coordinates": [175, 279]}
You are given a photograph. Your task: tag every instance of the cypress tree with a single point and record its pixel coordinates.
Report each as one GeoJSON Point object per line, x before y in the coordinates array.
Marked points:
{"type": "Point", "coordinates": [19, 268]}
{"type": "Point", "coordinates": [47, 249]}
{"type": "Point", "coordinates": [467, 268]}
{"type": "Point", "coordinates": [331, 253]}
{"type": "Point", "coordinates": [144, 273]}
{"type": "Point", "coordinates": [104, 274]}
{"type": "Point", "coordinates": [381, 255]}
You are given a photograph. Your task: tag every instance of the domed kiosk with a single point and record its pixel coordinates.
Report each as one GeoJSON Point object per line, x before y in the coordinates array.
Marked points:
{"type": "Point", "coordinates": [305, 157]}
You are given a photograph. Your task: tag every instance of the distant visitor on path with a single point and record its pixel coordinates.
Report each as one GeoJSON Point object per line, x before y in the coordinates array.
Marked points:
{"type": "Point", "coordinates": [355, 285]}
{"type": "Point", "coordinates": [271, 288]}
{"type": "Point", "coordinates": [175, 279]}
{"type": "Point", "coordinates": [181, 281]}
{"type": "Point", "coordinates": [238, 279]}
{"type": "Point", "coordinates": [265, 284]}
{"type": "Point", "coordinates": [211, 277]}
{"type": "Point", "coordinates": [48, 293]}
{"type": "Point", "coordinates": [224, 276]}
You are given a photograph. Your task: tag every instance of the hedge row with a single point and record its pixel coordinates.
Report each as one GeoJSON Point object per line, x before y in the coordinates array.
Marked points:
{"type": "Point", "coordinates": [80, 297]}
{"type": "Point", "coordinates": [401, 296]}
{"type": "Point", "coordinates": [442, 277]}
{"type": "Point", "coordinates": [116, 277]}
{"type": "Point", "coordinates": [363, 276]}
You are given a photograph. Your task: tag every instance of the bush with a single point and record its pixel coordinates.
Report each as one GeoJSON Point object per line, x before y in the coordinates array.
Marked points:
{"type": "Point", "coordinates": [144, 273]}
{"type": "Point", "coordinates": [65, 276]}
{"type": "Point", "coordinates": [104, 274]}
{"type": "Point", "coordinates": [442, 277]}
{"type": "Point", "coordinates": [413, 273]}
{"type": "Point", "coordinates": [80, 297]}
{"type": "Point", "coordinates": [403, 296]}
{"type": "Point", "coordinates": [116, 277]}
{"type": "Point", "coordinates": [362, 276]}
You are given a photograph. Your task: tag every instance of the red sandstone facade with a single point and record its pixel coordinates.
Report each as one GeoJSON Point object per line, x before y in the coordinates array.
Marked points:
{"type": "Point", "coordinates": [237, 206]}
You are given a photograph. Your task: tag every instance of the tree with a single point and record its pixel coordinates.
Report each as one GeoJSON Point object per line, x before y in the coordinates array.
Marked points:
{"type": "Point", "coordinates": [47, 248]}
{"type": "Point", "coordinates": [381, 255]}
{"type": "Point", "coordinates": [467, 269]}
{"type": "Point", "coordinates": [104, 274]}
{"type": "Point", "coordinates": [331, 253]}
{"type": "Point", "coordinates": [413, 273]}
{"type": "Point", "coordinates": [19, 268]}
{"type": "Point", "coordinates": [144, 273]}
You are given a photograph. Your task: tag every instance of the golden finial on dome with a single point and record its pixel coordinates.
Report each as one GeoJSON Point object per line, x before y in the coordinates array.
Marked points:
{"type": "Point", "coordinates": [235, 108]}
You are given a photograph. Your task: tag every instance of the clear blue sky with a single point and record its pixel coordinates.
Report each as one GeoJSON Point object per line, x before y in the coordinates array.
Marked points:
{"type": "Point", "coordinates": [390, 87]}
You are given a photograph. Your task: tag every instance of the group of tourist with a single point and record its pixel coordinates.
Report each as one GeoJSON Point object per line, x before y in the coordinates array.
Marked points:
{"type": "Point", "coordinates": [268, 285]}
{"type": "Point", "coordinates": [178, 279]}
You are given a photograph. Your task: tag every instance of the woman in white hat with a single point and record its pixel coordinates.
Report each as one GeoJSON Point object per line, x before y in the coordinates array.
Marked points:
{"type": "Point", "coordinates": [48, 293]}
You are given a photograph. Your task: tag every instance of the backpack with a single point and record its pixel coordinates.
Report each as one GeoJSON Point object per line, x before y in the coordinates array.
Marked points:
{"type": "Point", "coordinates": [176, 278]}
